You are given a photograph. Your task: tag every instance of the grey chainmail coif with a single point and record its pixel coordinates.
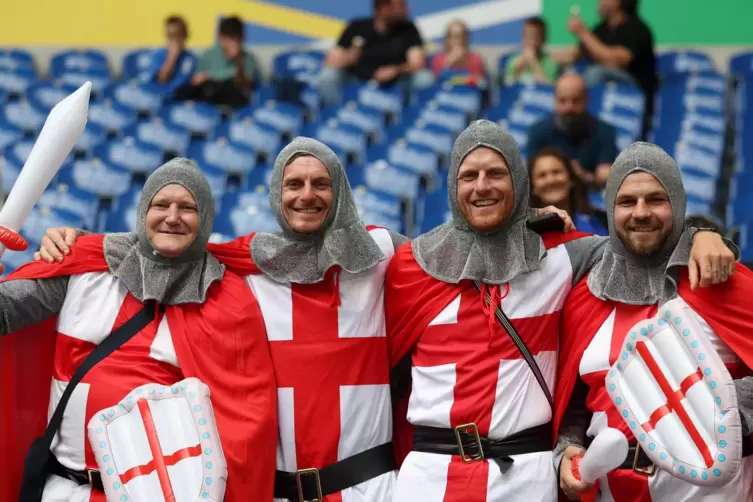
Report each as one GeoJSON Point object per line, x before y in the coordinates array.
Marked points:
{"type": "Point", "coordinates": [455, 251]}
{"type": "Point", "coordinates": [623, 276]}
{"type": "Point", "coordinates": [151, 276]}
{"type": "Point", "coordinates": [293, 257]}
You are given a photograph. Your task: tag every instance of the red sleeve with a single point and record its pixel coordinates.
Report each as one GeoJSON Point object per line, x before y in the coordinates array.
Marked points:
{"type": "Point", "coordinates": [223, 343]}
{"type": "Point", "coordinates": [236, 255]}
{"type": "Point", "coordinates": [582, 315]}
{"type": "Point", "coordinates": [726, 308]}
{"type": "Point", "coordinates": [26, 360]}
{"type": "Point", "coordinates": [437, 64]}
{"type": "Point", "coordinates": [554, 239]}
{"type": "Point", "coordinates": [476, 64]}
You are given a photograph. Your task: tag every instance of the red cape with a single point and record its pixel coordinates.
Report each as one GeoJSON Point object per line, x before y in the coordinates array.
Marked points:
{"type": "Point", "coordinates": [412, 299]}
{"type": "Point", "coordinates": [725, 307]}
{"type": "Point", "coordinates": [222, 342]}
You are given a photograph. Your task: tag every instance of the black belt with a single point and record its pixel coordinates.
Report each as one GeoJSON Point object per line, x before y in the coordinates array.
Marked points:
{"type": "Point", "coordinates": [631, 461]}
{"type": "Point", "coordinates": [314, 484]}
{"type": "Point", "coordinates": [465, 441]}
{"type": "Point", "coordinates": [87, 477]}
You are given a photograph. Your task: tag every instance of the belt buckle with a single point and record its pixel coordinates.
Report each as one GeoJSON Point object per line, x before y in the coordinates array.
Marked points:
{"type": "Point", "coordinates": [644, 471]}
{"type": "Point", "coordinates": [308, 472]}
{"type": "Point", "coordinates": [469, 430]}
{"type": "Point", "coordinates": [89, 474]}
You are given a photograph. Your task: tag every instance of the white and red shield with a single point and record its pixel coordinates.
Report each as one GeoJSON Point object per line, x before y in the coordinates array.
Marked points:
{"type": "Point", "coordinates": [159, 444]}
{"type": "Point", "coordinates": [675, 393]}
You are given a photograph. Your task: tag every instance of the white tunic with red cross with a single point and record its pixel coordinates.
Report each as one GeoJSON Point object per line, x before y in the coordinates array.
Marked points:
{"type": "Point", "coordinates": [466, 369]}
{"type": "Point", "coordinates": [96, 303]}
{"type": "Point", "coordinates": [625, 485]}
{"type": "Point", "coordinates": [332, 370]}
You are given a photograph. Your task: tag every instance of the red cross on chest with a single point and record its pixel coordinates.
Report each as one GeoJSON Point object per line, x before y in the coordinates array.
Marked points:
{"type": "Point", "coordinates": [476, 344]}
{"type": "Point", "coordinates": [316, 363]}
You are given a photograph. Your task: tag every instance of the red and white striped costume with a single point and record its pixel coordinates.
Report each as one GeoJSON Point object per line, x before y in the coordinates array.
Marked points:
{"type": "Point", "coordinates": [329, 351]}
{"type": "Point", "coordinates": [594, 332]}
{"type": "Point", "coordinates": [465, 369]}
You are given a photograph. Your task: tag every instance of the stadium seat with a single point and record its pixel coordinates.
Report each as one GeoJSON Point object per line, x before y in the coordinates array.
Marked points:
{"type": "Point", "coordinates": [16, 59]}
{"type": "Point", "coordinates": [9, 133]}
{"type": "Point", "coordinates": [43, 217]}
{"type": "Point", "coordinates": [172, 139]}
{"type": "Point", "coordinates": [16, 82]}
{"type": "Point", "coordinates": [741, 64]}
{"type": "Point", "coordinates": [114, 117]}
{"type": "Point", "coordinates": [298, 65]}
{"type": "Point", "coordinates": [93, 136]}
{"type": "Point", "coordinates": [348, 138]}
{"type": "Point", "coordinates": [388, 100]}
{"type": "Point", "coordinates": [142, 97]}
{"type": "Point", "coordinates": [45, 95]}
{"type": "Point", "coordinates": [200, 119]}
{"type": "Point", "coordinates": [229, 156]}
{"type": "Point", "coordinates": [104, 178]}
{"type": "Point", "coordinates": [135, 155]}
{"type": "Point", "coordinates": [378, 208]}
{"type": "Point", "coordinates": [75, 200]}
{"type": "Point", "coordinates": [286, 118]}
{"type": "Point", "coordinates": [466, 98]}
{"type": "Point", "coordinates": [25, 115]}
{"type": "Point", "coordinates": [683, 62]}
{"type": "Point", "coordinates": [263, 139]}
{"type": "Point", "coordinates": [136, 63]}
{"type": "Point", "coordinates": [369, 120]}
{"type": "Point", "coordinates": [99, 79]}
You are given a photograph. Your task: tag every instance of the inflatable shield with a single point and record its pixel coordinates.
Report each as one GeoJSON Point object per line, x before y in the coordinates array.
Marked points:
{"type": "Point", "coordinates": [160, 443]}
{"type": "Point", "coordinates": [674, 392]}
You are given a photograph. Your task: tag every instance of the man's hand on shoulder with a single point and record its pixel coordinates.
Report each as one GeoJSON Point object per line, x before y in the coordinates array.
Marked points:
{"type": "Point", "coordinates": [56, 244]}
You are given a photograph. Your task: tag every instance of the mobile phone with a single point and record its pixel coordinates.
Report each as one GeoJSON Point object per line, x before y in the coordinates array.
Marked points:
{"type": "Point", "coordinates": [546, 223]}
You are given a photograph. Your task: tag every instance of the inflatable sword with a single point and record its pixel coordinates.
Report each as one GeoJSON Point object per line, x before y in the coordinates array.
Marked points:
{"type": "Point", "coordinates": [606, 453]}
{"type": "Point", "coordinates": [59, 135]}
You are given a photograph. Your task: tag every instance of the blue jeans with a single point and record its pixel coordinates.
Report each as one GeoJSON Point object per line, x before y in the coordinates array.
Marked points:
{"type": "Point", "coordinates": [331, 80]}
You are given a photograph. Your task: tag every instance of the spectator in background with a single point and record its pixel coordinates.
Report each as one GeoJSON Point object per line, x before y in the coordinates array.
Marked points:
{"type": "Point", "coordinates": [533, 64]}
{"type": "Point", "coordinates": [457, 54]}
{"type": "Point", "coordinates": [225, 75]}
{"type": "Point", "coordinates": [386, 48]}
{"type": "Point", "coordinates": [620, 48]}
{"type": "Point", "coordinates": [554, 183]}
{"type": "Point", "coordinates": [173, 65]}
{"type": "Point", "coordinates": [590, 143]}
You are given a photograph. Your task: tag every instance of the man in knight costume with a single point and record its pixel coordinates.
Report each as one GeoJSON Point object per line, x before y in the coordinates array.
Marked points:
{"type": "Point", "coordinates": [153, 356]}
{"type": "Point", "coordinates": [473, 310]}
{"type": "Point", "coordinates": [643, 353]}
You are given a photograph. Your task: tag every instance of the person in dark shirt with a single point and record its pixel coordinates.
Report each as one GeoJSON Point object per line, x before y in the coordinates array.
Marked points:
{"type": "Point", "coordinates": [386, 48]}
{"type": "Point", "coordinates": [620, 48]}
{"type": "Point", "coordinates": [590, 143]}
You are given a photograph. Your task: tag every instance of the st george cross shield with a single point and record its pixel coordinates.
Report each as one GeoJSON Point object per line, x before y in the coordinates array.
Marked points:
{"type": "Point", "coordinates": [674, 392]}
{"type": "Point", "coordinates": [159, 444]}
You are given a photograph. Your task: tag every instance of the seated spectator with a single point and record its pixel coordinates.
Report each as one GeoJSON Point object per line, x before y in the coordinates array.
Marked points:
{"type": "Point", "coordinates": [620, 48]}
{"type": "Point", "coordinates": [457, 54]}
{"type": "Point", "coordinates": [173, 65]}
{"type": "Point", "coordinates": [386, 48]}
{"type": "Point", "coordinates": [225, 75]}
{"type": "Point", "coordinates": [554, 183]}
{"type": "Point", "coordinates": [533, 64]}
{"type": "Point", "coordinates": [590, 143]}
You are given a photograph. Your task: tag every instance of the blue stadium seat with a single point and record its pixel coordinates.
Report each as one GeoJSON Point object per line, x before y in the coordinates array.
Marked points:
{"type": "Point", "coordinates": [741, 64]}
{"type": "Point", "coordinates": [99, 79]}
{"type": "Point", "coordinates": [378, 208]}
{"type": "Point", "coordinates": [286, 118]}
{"type": "Point", "coordinates": [46, 95]}
{"type": "Point", "coordinates": [369, 120]}
{"type": "Point", "coordinates": [684, 62]}
{"type": "Point", "coordinates": [136, 63]}
{"type": "Point", "coordinates": [11, 168]}
{"type": "Point", "coordinates": [9, 133]}
{"type": "Point", "coordinates": [78, 61]}
{"type": "Point", "coordinates": [298, 65]}
{"type": "Point", "coordinates": [93, 136]}
{"type": "Point", "coordinates": [460, 97]}
{"type": "Point", "coordinates": [16, 82]}
{"type": "Point", "coordinates": [540, 96]}
{"type": "Point", "coordinates": [122, 217]}
{"type": "Point", "coordinates": [24, 114]}
{"type": "Point", "coordinates": [75, 200]}
{"type": "Point", "coordinates": [200, 119]}
{"type": "Point", "coordinates": [383, 177]}
{"type": "Point", "coordinates": [15, 259]}
{"type": "Point", "coordinates": [95, 175]}
{"type": "Point", "coordinates": [259, 178]}
{"type": "Point", "coordinates": [502, 64]}
{"type": "Point", "coordinates": [143, 97]}
{"type": "Point", "coordinates": [438, 138]}
{"type": "Point", "coordinates": [346, 137]}
{"type": "Point", "coordinates": [137, 156]}
{"type": "Point", "coordinates": [229, 156]}
{"type": "Point", "coordinates": [16, 59]}
{"type": "Point", "coordinates": [418, 158]}
{"type": "Point", "coordinates": [388, 100]}
{"type": "Point", "coordinates": [264, 140]}
{"type": "Point", "coordinates": [245, 212]}
{"type": "Point", "coordinates": [44, 217]}
{"type": "Point", "coordinates": [114, 117]}
{"type": "Point", "coordinates": [172, 139]}
{"type": "Point", "coordinates": [447, 117]}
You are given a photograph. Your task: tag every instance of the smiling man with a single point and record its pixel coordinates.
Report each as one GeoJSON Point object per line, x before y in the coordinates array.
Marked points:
{"type": "Point", "coordinates": [473, 309]}
{"type": "Point", "coordinates": [642, 268]}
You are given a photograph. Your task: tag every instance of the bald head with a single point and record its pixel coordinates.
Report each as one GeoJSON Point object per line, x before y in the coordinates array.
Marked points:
{"type": "Point", "coordinates": [571, 98]}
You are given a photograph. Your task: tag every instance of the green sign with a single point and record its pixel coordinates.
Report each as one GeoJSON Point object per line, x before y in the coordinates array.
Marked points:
{"type": "Point", "coordinates": [673, 22]}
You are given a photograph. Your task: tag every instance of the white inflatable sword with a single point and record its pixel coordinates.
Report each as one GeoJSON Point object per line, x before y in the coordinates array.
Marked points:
{"type": "Point", "coordinates": [59, 135]}
{"type": "Point", "coordinates": [606, 453]}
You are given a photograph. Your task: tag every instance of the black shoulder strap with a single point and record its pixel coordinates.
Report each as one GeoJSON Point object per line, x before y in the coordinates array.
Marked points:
{"type": "Point", "coordinates": [516, 338]}
{"type": "Point", "coordinates": [114, 340]}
